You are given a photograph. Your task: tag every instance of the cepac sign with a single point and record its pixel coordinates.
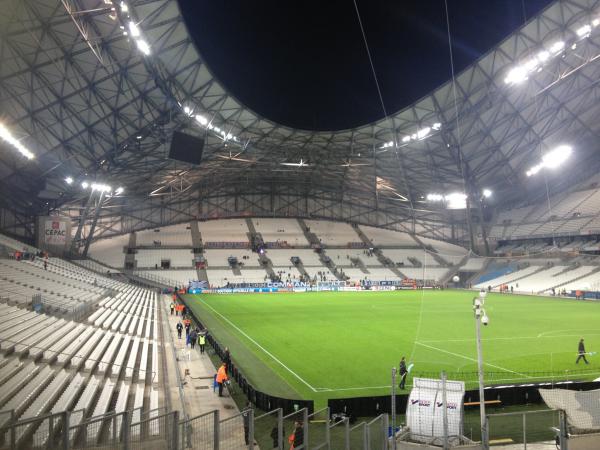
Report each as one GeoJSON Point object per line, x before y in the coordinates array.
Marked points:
{"type": "Point", "coordinates": [55, 232]}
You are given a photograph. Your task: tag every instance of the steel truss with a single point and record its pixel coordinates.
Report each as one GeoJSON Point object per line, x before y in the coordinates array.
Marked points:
{"type": "Point", "coordinates": [90, 105]}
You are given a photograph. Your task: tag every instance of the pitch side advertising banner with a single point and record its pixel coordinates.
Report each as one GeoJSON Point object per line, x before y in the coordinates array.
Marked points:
{"type": "Point", "coordinates": [55, 232]}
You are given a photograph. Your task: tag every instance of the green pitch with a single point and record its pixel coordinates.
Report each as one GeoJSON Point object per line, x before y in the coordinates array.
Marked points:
{"type": "Point", "coordinates": [333, 344]}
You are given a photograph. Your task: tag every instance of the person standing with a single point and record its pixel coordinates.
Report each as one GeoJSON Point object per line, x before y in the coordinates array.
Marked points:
{"type": "Point", "coordinates": [581, 352]}
{"type": "Point", "coordinates": [221, 378]}
{"type": "Point", "coordinates": [227, 359]}
{"type": "Point", "coordinates": [202, 342]}
{"type": "Point", "coordinates": [179, 329]}
{"type": "Point", "coordinates": [193, 338]}
{"type": "Point", "coordinates": [297, 438]}
{"type": "Point", "coordinates": [172, 305]}
{"type": "Point", "coordinates": [403, 372]}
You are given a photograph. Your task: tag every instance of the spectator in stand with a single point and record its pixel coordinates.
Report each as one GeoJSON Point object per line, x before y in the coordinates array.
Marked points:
{"type": "Point", "coordinates": [179, 327]}
{"type": "Point", "coordinates": [221, 378]}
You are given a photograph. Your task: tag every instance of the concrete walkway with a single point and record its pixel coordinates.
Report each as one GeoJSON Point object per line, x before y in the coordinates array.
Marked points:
{"type": "Point", "coordinates": [199, 397]}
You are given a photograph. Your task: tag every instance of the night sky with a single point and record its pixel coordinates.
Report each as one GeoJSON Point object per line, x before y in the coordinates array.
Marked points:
{"type": "Point", "coordinates": [304, 63]}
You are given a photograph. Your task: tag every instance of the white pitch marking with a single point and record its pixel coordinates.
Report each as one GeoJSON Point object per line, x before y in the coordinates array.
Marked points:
{"type": "Point", "coordinates": [472, 359]}
{"type": "Point", "coordinates": [260, 346]}
{"type": "Point", "coordinates": [511, 338]}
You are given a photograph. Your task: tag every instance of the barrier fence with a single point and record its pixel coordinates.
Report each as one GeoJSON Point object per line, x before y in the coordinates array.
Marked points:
{"type": "Point", "coordinates": [273, 430]}
{"type": "Point", "coordinates": [523, 427]}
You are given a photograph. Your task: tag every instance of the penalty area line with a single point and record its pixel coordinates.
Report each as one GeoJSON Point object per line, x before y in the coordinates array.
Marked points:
{"type": "Point", "coordinates": [259, 346]}
{"type": "Point", "coordinates": [471, 359]}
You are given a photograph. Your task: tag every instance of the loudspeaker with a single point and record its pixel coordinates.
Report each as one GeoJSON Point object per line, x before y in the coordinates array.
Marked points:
{"type": "Point", "coordinates": [186, 148]}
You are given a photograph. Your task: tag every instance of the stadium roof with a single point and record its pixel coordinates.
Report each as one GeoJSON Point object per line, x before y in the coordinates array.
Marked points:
{"type": "Point", "coordinates": [79, 90]}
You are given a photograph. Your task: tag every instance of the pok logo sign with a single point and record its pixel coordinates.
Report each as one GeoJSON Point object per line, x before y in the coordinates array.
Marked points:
{"type": "Point", "coordinates": [451, 405]}
{"type": "Point", "coordinates": [425, 403]}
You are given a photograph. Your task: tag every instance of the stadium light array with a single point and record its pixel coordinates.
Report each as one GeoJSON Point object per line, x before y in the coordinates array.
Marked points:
{"type": "Point", "coordinates": [69, 180]}
{"type": "Point", "coordinates": [419, 135]}
{"type": "Point", "coordinates": [133, 30]}
{"type": "Point", "coordinates": [552, 159]}
{"type": "Point", "coordinates": [7, 136]}
{"type": "Point", "coordinates": [487, 193]}
{"type": "Point", "coordinates": [454, 200]}
{"type": "Point", "coordinates": [521, 72]}
{"type": "Point", "coordinates": [98, 187]}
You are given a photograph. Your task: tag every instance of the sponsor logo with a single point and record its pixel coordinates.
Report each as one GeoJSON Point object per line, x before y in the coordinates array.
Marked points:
{"type": "Point", "coordinates": [420, 402]}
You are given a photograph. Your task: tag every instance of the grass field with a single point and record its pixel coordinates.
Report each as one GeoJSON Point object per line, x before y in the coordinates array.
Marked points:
{"type": "Point", "coordinates": [344, 344]}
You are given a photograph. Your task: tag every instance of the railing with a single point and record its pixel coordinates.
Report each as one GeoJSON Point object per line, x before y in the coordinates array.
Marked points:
{"type": "Point", "coordinates": [523, 427]}
{"type": "Point", "coordinates": [116, 431]}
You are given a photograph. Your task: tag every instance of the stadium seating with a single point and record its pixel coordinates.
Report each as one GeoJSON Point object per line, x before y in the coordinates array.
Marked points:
{"type": "Point", "coordinates": [153, 258]}
{"type": "Point", "coordinates": [286, 231]}
{"type": "Point", "coordinates": [220, 277]}
{"type": "Point", "coordinates": [333, 233]}
{"type": "Point", "coordinates": [109, 251]}
{"type": "Point", "coordinates": [447, 251]}
{"type": "Point", "coordinates": [51, 364]}
{"type": "Point", "coordinates": [342, 257]}
{"type": "Point", "coordinates": [173, 235]}
{"type": "Point", "coordinates": [381, 237]}
{"type": "Point", "coordinates": [425, 273]}
{"type": "Point", "coordinates": [229, 230]}
{"type": "Point", "coordinates": [407, 256]}
{"type": "Point", "coordinates": [283, 257]}
{"type": "Point", "coordinates": [474, 264]}
{"type": "Point", "coordinates": [218, 258]}
{"type": "Point", "coordinates": [169, 277]}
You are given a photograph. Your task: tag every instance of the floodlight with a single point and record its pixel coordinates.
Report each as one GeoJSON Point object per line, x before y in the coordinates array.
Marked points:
{"type": "Point", "coordinates": [516, 75]}
{"type": "Point", "coordinates": [138, 137]}
{"type": "Point", "coordinates": [143, 46]}
{"type": "Point", "coordinates": [119, 190]}
{"type": "Point", "coordinates": [543, 55]}
{"type": "Point", "coordinates": [557, 47]}
{"type": "Point", "coordinates": [456, 200]}
{"type": "Point", "coordinates": [436, 126]}
{"type": "Point", "coordinates": [8, 137]}
{"type": "Point", "coordinates": [85, 185]}
{"type": "Point", "coordinates": [423, 132]}
{"type": "Point", "coordinates": [435, 197]}
{"type": "Point", "coordinates": [584, 31]}
{"type": "Point", "coordinates": [487, 193]}
{"type": "Point", "coordinates": [596, 22]}
{"type": "Point", "coordinates": [552, 159]}
{"type": "Point", "coordinates": [124, 7]}
{"type": "Point", "coordinates": [69, 180]}
{"type": "Point", "coordinates": [556, 157]}
{"type": "Point", "coordinates": [201, 120]}
{"type": "Point", "coordinates": [406, 139]}
{"type": "Point", "coordinates": [187, 110]}
{"type": "Point", "coordinates": [133, 29]}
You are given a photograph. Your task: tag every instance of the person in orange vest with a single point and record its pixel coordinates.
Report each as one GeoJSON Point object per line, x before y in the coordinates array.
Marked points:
{"type": "Point", "coordinates": [221, 378]}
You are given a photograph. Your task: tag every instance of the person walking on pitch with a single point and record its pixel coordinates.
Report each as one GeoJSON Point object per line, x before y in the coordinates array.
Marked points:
{"type": "Point", "coordinates": [403, 372]}
{"type": "Point", "coordinates": [581, 352]}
